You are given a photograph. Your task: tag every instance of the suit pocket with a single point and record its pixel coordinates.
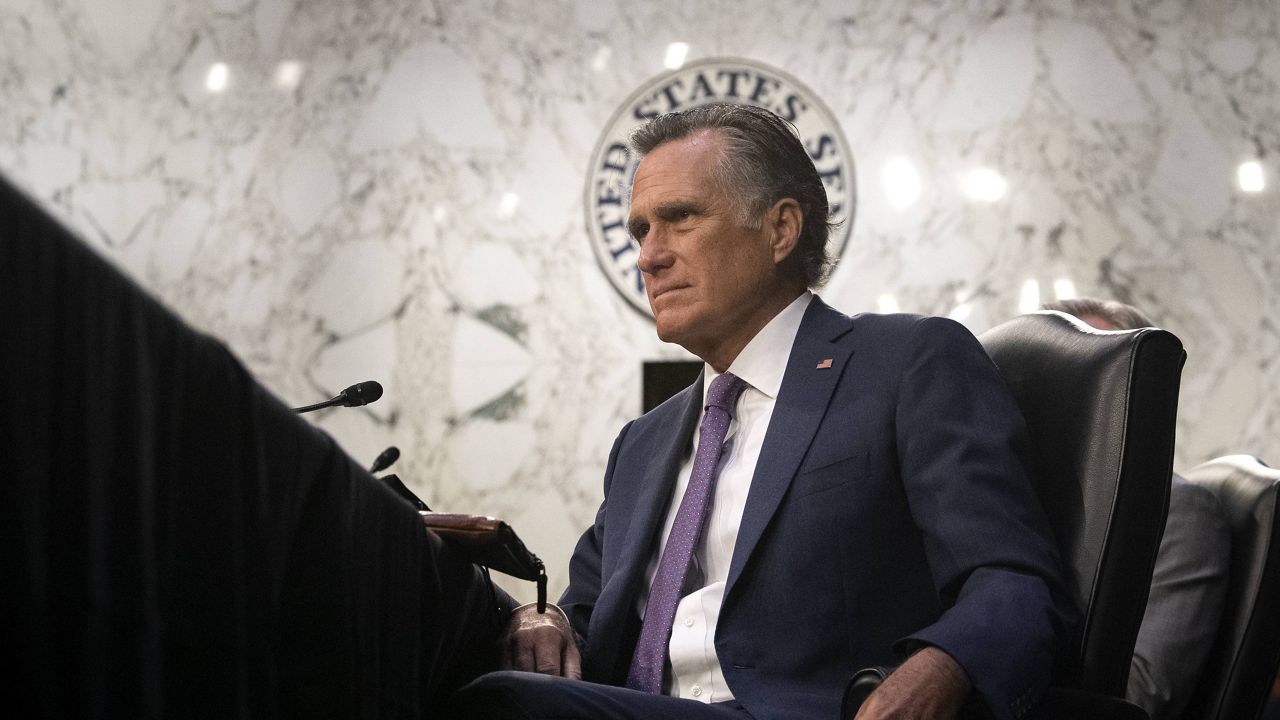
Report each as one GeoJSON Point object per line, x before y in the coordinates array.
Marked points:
{"type": "Point", "coordinates": [827, 471]}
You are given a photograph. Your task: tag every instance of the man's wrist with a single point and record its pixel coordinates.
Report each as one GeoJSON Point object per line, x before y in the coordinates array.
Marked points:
{"type": "Point", "coordinates": [550, 606]}
{"type": "Point", "coordinates": [560, 617]}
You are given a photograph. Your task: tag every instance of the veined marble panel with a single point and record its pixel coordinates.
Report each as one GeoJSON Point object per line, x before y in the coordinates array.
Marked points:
{"type": "Point", "coordinates": [393, 190]}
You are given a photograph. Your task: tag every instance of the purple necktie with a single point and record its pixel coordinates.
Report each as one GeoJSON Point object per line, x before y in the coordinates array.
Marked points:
{"type": "Point", "coordinates": [650, 658]}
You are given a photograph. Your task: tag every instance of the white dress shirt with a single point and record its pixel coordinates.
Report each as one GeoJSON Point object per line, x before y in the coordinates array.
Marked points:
{"type": "Point", "coordinates": [695, 669]}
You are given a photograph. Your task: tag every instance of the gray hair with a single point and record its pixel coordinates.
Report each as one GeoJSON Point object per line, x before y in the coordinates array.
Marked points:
{"type": "Point", "coordinates": [763, 162]}
{"type": "Point", "coordinates": [1125, 317]}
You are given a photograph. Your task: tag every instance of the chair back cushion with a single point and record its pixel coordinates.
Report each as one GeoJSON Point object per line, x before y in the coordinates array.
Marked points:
{"type": "Point", "coordinates": [1100, 408]}
{"type": "Point", "coordinates": [1240, 669]}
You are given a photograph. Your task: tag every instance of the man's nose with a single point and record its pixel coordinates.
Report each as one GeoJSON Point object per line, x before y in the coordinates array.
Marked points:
{"type": "Point", "coordinates": [654, 254]}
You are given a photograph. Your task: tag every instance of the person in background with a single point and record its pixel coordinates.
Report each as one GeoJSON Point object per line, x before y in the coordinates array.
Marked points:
{"type": "Point", "coordinates": [1190, 578]}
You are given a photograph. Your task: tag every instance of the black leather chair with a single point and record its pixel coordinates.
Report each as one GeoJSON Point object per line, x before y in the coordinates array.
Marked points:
{"type": "Point", "coordinates": [1244, 660]}
{"type": "Point", "coordinates": [1100, 408]}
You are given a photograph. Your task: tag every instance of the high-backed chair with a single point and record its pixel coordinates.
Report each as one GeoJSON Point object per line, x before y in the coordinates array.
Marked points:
{"type": "Point", "coordinates": [1100, 409]}
{"type": "Point", "coordinates": [1243, 662]}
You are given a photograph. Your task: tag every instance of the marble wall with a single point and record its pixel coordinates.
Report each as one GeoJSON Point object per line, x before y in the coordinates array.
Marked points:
{"type": "Point", "coordinates": [394, 190]}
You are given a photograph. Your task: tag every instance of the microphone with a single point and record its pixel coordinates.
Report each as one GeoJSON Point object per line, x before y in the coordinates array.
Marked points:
{"type": "Point", "coordinates": [359, 394]}
{"type": "Point", "coordinates": [385, 460]}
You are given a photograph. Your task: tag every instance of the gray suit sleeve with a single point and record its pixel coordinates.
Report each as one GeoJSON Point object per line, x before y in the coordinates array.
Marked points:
{"type": "Point", "coordinates": [1185, 605]}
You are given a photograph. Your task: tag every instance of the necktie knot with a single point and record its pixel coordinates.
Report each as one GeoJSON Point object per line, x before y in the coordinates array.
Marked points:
{"type": "Point", "coordinates": [724, 392]}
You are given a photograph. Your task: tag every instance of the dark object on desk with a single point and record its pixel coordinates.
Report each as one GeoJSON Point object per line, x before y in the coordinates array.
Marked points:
{"type": "Point", "coordinates": [1242, 665]}
{"type": "Point", "coordinates": [1100, 410]}
{"type": "Point", "coordinates": [484, 541]}
{"type": "Point", "coordinates": [491, 543]}
{"type": "Point", "coordinates": [394, 482]}
{"type": "Point", "coordinates": [661, 379]}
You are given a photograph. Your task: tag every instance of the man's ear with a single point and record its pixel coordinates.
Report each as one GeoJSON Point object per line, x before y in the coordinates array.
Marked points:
{"type": "Point", "coordinates": [786, 221]}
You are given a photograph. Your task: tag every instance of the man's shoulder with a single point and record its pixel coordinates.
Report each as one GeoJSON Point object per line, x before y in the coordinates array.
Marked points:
{"type": "Point", "coordinates": [902, 330]}
{"type": "Point", "coordinates": [1188, 501]}
{"type": "Point", "coordinates": [894, 322]}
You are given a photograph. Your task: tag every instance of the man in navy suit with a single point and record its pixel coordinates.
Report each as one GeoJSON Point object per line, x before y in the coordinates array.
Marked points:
{"type": "Point", "coordinates": [868, 503]}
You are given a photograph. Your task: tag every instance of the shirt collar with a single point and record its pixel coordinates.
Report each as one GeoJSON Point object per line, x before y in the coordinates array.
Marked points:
{"type": "Point", "coordinates": [763, 362]}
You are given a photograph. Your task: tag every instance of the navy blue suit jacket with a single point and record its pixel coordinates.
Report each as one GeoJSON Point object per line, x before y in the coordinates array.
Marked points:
{"type": "Point", "coordinates": [890, 508]}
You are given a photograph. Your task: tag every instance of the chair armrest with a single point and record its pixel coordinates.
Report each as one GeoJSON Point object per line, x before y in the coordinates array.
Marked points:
{"type": "Point", "coordinates": [1056, 703]}
{"type": "Point", "coordinates": [1071, 704]}
{"type": "Point", "coordinates": [862, 684]}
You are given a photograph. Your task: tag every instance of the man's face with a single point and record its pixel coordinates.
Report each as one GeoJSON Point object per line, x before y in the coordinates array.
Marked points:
{"type": "Point", "coordinates": [709, 277]}
{"type": "Point", "coordinates": [1098, 322]}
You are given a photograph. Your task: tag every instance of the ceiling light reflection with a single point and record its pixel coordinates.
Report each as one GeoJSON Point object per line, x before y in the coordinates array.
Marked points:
{"type": "Point", "coordinates": [507, 206]}
{"type": "Point", "coordinates": [961, 312]}
{"type": "Point", "coordinates": [985, 185]}
{"type": "Point", "coordinates": [676, 53]}
{"type": "Point", "coordinates": [901, 182]}
{"type": "Point", "coordinates": [1029, 298]}
{"type": "Point", "coordinates": [215, 81]}
{"type": "Point", "coordinates": [1064, 289]}
{"type": "Point", "coordinates": [288, 74]}
{"type": "Point", "coordinates": [887, 303]}
{"type": "Point", "coordinates": [1251, 177]}
{"type": "Point", "coordinates": [600, 60]}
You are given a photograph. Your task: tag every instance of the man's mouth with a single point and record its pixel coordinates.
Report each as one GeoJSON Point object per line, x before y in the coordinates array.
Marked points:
{"type": "Point", "coordinates": [659, 292]}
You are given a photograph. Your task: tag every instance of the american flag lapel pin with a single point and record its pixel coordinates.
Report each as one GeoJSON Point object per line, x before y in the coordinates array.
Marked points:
{"type": "Point", "coordinates": [824, 364]}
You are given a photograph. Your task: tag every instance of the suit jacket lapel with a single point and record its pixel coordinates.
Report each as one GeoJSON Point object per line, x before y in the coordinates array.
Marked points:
{"type": "Point", "coordinates": [655, 491]}
{"type": "Point", "coordinates": [643, 514]}
{"type": "Point", "coordinates": [802, 403]}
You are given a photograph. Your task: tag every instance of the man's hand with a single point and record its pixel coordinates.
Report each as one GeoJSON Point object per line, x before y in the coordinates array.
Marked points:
{"type": "Point", "coordinates": [541, 643]}
{"type": "Point", "coordinates": [930, 684]}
